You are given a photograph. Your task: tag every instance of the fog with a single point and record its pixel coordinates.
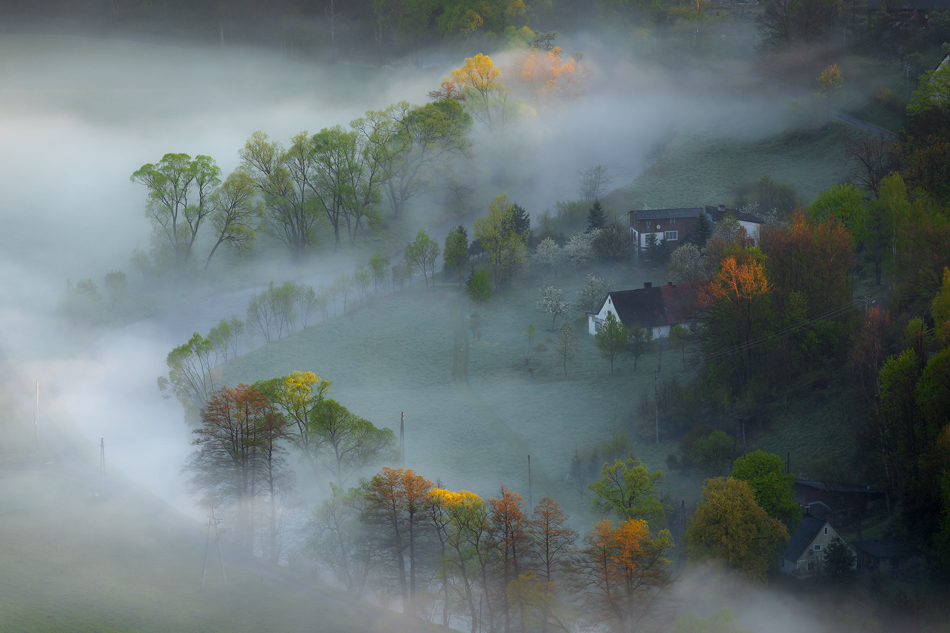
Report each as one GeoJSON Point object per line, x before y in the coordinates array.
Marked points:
{"type": "Point", "coordinates": [79, 115]}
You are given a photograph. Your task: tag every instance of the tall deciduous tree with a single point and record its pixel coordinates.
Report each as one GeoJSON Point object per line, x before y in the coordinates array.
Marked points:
{"type": "Point", "coordinates": [772, 488]}
{"type": "Point", "coordinates": [180, 191]}
{"type": "Point", "coordinates": [189, 375]}
{"type": "Point", "coordinates": [729, 527]}
{"type": "Point", "coordinates": [611, 339]}
{"type": "Point", "coordinates": [627, 489]}
{"type": "Point", "coordinates": [421, 254]}
{"type": "Point", "coordinates": [236, 214]}
{"type": "Point", "coordinates": [298, 396]}
{"type": "Point", "coordinates": [455, 252]}
{"type": "Point", "coordinates": [497, 235]}
{"type": "Point", "coordinates": [566, 345]}
{"type": "Point", "coordinates": [623, 569]}
{"type": "Point", "coordinates": [285, 178]}
{"type": "Point", "coordinates": [347, 441]}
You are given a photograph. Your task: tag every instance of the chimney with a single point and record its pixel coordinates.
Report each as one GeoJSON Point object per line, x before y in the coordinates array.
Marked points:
{"type": "Point", "coordinates": [670, 284]}
{"type": "Point", "coordinates": [808, 510]}
{"type": "Point", "coordinates": [722, 208]}
{"type": "Point", "coordinates": [647, 284]}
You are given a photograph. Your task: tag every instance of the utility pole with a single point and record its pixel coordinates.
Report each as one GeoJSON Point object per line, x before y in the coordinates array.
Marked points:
{"type": "Point", "coordinates": [656, 402]}
{"type": "Point", "coordinates": [530, 502]}
{"type": "Point", "coordinates": [402, 437]}
{"type": "Point", "coordinates": [217, 537]}
{"type": "Point", "coordinates": [36, 413]}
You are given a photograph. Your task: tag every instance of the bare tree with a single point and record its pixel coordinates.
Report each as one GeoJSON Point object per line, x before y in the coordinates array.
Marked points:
{"type": "Point", "coordinates": [594, 183]}
{"type": "Point", "coordinates": [872, 159]}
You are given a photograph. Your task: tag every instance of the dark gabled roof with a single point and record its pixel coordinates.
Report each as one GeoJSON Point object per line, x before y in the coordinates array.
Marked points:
{"type": "Point", "coordinates": [886, 548]}
{"type": "Point", "coordinates": [656, 306]}
{"type": "Point", "coordinates": [808, 529]}
{"type": "Point", "coordinates": [909, 5]}
{"type": "Point", "coordinates": [742, 216]}
{"type": "Point", "coordinates": [663, 214]}
{"type": "Point", "coordinates": [835, 486]}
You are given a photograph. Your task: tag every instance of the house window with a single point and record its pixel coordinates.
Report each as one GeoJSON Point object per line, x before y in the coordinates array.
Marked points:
{"type": "Point", "coordinates": [817, 546]}
{"type": "Point", "coordinates": [811, 566]}
{"type": "Point", "coordinates": [826, 529]}
{"type": "Point", "coordinates": [672, 220]}
{"type": "Point", "coordinates": [671, 236]}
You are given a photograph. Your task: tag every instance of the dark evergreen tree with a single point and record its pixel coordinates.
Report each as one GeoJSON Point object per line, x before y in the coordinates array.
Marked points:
{"type": "Point", "coordinates": [702, 230]}
{"type": "Point", "coordinates": [596, 217]}
{"type": "Point", "coordinates": [522, 222]}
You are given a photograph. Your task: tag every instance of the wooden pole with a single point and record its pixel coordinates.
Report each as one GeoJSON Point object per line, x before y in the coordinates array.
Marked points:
{"type": "Point", "coordinates": [402, 437]}
{"type": "Point", "coordinates": [530, 502]}
{"type": "Point", "coordinates": [36, 414]}
{"type": "Point", "coordinates": [656, 402]}
{"type": "Point", "coordinates": [217, 538]}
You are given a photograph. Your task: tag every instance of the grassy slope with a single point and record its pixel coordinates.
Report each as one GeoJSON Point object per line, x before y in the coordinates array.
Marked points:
{"type": "Point", "coordinates": [473, 434]}
{"type": "Point", "coordinates": [73, 561]}
{"type": "Point", "coordinates": [697, 170]}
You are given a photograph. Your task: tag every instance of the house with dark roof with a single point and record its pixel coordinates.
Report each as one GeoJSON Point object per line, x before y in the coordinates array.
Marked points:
{"type": "Point", "coordinates": [884, 555]}
{"type": "Point", "coordinates": [655, 307]}
{"type": "Point", "coordinates": [842, 501]}
{"type": "Point", "coordinates": [805, 553]}
{"type": "Point", "coordinates": [676, 225]}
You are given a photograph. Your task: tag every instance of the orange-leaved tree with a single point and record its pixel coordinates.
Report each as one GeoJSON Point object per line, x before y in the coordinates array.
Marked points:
{"type": "Point", "coordinates": [546, 73]}
{"type": "Point", "coordinates": [735, 304]}
{"type": "Point", "coordinates": [396, 506]}
{"type": "Point", "coordinates": [485, 98]}
{"type": "Point", "coordinates": [622, 569]}
{"type": "Point", "coordinates": [509, 533]}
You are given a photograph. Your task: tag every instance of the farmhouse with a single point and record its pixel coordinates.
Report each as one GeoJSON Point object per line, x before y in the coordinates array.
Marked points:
{"type": "Point", "coordinates": [884, 555]}
{"type": "Point", "coordinates": [805, 553]}
{"type": "Point", "coordinates": [657, 308]}
{"type": "Point", "coordinates": [676, 225]}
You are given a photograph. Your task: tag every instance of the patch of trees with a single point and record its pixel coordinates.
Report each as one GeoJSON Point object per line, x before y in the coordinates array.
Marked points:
{"type": "Point", "coordinates": [241, 445]}
{"type": "Point", "coordinates": [493, 563]}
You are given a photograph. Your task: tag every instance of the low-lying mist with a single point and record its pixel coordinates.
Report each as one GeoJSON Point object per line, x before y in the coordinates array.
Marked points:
{"type": "Point", "coordinates": [79, 115]}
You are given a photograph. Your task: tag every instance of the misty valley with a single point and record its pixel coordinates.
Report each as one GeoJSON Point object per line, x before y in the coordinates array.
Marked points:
{"type": "Point", "coordinates": [482, 315]}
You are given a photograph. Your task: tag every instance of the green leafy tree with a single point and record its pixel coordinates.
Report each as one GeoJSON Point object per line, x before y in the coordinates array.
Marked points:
{"type": "Point", "coordinates": [283, 177]}
{"type": "Point", "coordinates": [180, 191]}
{"type": "Point", "coordinates": [924, 142]}
{"type": "Point", "coordinates": [478, 286]}
{"type": "Point", "coordinates": [730, 528]}
{"type": "Point", "coordinates": [379, 267]}
{"type": "Point", "coordinates": [362, 278]}
{"type": "Point", "coordinates": [497, 235]}
{"type": "Point", "coordinates": [712, 454]}
{"type": "Point", "coordinates": [772, 488]}
{"type": "Point", "coordinates": [347, 441]}
{"type": "Point", "coordinates": [189, 375]}
{"type": "Point", "coordinates": [839, 559]}
{"type": "Point", "coordinates": [940, 311]}
{"type": "Point", "coordinates": [235, 214]}
{"type": "Point", "coordinates": [566, 345]}
{"type": "Point", "coordinates": [115, 286]}
{"type": "Point", "coordinates": [627, 490]}
{"type": "Point", "coordinates": [421, 254]}
{"type": "Point", "coordinates": [639, 342]}
{"type": "Point", "coordinates": [844, 203]}
{"type": "Point", "coordinates": [611, 339]}
{"type": "Point", "coordinates": [456, 253]}
{"type": "Point", "coordinates": [679, 339]}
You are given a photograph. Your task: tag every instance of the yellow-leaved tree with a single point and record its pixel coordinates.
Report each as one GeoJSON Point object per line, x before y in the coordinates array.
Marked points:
{"type": "Point", "coordinates": [485, 98]}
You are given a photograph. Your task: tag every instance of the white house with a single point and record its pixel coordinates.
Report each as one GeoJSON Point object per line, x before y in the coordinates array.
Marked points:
{"type": "Point", "coordinates": [805, 554]}
{"type": "Point", "coordinates": [657, 308]}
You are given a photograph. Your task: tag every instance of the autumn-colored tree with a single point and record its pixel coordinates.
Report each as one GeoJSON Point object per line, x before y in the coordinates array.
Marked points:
{"type": "Point", "coordinates": [509, 534]}
{"type": "Point", "coordinates": [870, 350]}
{"type": "Point", "coordinates": [735, 303]}
{"type": "Point", "coordinates": [462, 518]}
{"type": "Point", "coordinates": [627, 490]}
{"type": "Point", "coordinates": [397, 500]}
{"type": "Point", "coordinates": [545, 74]}
{"type": "Point", "coordinates": [730, 528]}
{"type": "Point", "coordinates": [297, 396]}
{"type": "Point", "coordinates": [829, 82]}
{"type": "Point", "coordinates": [622, 570]}
{"type": "Point", "coordinates": [485, 98]}
{"type": "Point", "coordinates": [237, 428]}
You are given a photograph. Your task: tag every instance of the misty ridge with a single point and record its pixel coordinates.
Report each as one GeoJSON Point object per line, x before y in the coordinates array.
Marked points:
{"type": "Point", "coordinates": [365, 267]}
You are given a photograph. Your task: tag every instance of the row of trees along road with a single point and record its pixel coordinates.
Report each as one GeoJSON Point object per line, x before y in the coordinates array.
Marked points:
{"type": "Point", "coordinates": [336, 177]}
